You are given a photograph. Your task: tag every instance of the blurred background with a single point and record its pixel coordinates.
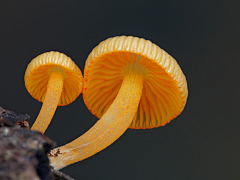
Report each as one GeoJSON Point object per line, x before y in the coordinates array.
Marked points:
{"type": "Point", "coordinates": [203, 143]}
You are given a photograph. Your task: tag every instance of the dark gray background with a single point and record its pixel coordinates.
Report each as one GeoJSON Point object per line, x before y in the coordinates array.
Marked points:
{"type": "Point", "coordinates": [203, 143]}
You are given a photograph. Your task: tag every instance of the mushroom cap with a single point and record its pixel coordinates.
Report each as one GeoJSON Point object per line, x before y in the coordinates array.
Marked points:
{"type": "Point", "coordinates": [39, 70]}
{"type": "Point", "coordinates": [165, 89]}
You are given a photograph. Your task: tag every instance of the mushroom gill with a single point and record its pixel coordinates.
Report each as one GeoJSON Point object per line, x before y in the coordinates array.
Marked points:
{"type": "Point", "coordinates": [128, 82]}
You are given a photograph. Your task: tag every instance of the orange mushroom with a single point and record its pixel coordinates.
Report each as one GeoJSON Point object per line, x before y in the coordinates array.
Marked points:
{"type": "Point", "coordinates": [54, 79]}
{"type": "Point", "coordinates": [129, 83]}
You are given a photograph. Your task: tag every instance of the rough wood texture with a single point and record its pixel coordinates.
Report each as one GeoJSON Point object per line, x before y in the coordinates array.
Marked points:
{"type": "Point", "coordinates": [18, 119]}
{"type": "Point", "coordinates": [23, 153]}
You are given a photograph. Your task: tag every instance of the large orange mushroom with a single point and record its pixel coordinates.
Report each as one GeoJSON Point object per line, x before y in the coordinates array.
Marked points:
{"type": "Point", "coordinates": [54, 79]}
{"type": "Point", "coordinates": [129, 82]}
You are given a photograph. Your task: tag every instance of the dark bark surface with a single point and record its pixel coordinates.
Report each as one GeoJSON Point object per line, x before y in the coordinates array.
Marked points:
{"type": "Point", "coordinates": [23, 153]}
{"type": "Point", "coordinates": [14, 118]}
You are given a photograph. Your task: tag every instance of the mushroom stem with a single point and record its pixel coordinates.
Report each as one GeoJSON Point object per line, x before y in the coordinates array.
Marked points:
{"type": "Point", "coordinates": [50, 103]}
{"type": "Point", "coordinates": [108, 129]}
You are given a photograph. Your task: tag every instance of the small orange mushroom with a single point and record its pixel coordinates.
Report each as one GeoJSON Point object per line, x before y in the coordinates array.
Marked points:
{"type": "Point", "coordinates": [129, 82]}
{"type": "Point", "coordinates": [54, 79]}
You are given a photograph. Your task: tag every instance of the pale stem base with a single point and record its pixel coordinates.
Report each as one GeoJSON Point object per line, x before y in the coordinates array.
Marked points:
{"type": "Point", "coordinates": [107, 130]}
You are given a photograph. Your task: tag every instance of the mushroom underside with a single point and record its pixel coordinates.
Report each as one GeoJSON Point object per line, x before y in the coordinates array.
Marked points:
{"type": "Point", "coordinates": [131, 99]}
{"type": "Point", "coordinates": [161, 100]}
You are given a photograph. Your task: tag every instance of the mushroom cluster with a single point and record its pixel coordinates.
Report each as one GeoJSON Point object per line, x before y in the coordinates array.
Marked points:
{"type": "Point", "coordinates": [129, 82]}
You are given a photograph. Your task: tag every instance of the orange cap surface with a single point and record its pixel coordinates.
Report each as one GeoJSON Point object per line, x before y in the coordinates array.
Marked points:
{"type": "Point", "coordinates": [39, 70]}
{"type": "Point", "coordinates": [165, 89]}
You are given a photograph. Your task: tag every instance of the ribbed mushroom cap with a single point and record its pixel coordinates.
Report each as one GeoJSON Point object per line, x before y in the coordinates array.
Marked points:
{"type": "Point", "coordinates": [165, 89]}
{"type": "Point", "coordinates": [39, 70]}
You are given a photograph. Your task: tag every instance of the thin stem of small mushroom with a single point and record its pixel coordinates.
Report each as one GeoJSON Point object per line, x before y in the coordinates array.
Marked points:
{"type": "Point", "coordinates": [50, 103]}
{"type": "Point", "coordinates": [107, 130]}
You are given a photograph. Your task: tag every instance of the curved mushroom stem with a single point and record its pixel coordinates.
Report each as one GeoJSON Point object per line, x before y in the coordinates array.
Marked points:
{"type": "Point", "coordinates": [50, 103]}
{"type": "Point", "coordinates": [108, 129]}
